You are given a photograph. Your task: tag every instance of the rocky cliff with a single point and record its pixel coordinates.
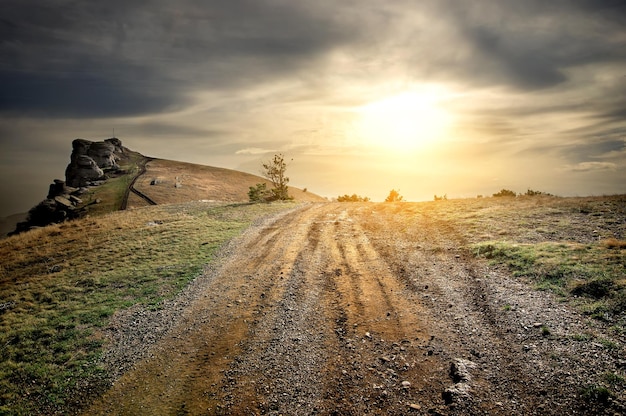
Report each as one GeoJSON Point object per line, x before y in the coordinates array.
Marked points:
{"type": "Point", "coordinates": [90, 160]}
{"type": "Point", "coordinates": [90, 163]}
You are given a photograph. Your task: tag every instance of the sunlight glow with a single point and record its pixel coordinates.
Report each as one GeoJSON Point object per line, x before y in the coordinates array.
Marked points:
{"type": "Point", "coordinates": [407, 121]}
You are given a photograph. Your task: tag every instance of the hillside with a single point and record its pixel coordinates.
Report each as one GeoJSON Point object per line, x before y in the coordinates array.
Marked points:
{"type": "Point", "coordinates": [199, 182]}
{"type": "Point", "coordinates": [104, 176]}
{"type": "Point", "coordinates": [481, 306]}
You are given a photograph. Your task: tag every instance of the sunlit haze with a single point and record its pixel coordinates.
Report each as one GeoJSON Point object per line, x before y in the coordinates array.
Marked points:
{"type": "Point", "coordinates": [430, 97]}
{"type": "Point", "coordinates": [407, 121]}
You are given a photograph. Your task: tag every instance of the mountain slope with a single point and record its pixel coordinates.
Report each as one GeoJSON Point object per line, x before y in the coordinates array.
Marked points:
{"type": "Point", "coordinates": [168, 182]}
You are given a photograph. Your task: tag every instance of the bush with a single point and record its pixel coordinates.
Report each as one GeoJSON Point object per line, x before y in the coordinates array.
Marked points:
{"type": "Point", "coordinates": [352, 198]}
{"type": "Point", "coordinates": [259, 193]}
{"type": "Point", "coordinates": [394, 196]}
{"type": "Point", "coordinates": [531, 192]}
{"type": "Point", "coordinates": [505, 192]}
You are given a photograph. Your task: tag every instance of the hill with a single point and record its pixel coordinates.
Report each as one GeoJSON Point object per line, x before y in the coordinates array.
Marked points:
{"type": "Point", "coordinates": [105, 176]}
{"type": "Point", "coordinates": [171, 182]}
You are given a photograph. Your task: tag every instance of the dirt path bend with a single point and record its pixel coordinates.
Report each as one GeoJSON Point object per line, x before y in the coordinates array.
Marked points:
{"type": "Point", "coordinates": [354, 309]}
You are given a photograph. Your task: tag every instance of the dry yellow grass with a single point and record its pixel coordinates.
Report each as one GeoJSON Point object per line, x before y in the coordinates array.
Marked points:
{"type": "Point", "coordinates": [198, 182]}
{"type": "Point", "coordinates": [59, 283]}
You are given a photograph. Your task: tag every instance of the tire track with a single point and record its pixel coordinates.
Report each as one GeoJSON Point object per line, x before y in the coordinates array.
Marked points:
{"type": "Point", "coordinates": [343, 309]}
{"type": "Point", "coordinates": [341, 330]}
{"type": "Point", "coordinates": [186, 369]}
{"type": "Point", "coordinates": [131, 187]}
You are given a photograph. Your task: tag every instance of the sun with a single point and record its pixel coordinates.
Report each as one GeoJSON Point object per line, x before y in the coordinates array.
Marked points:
{"type": "Point", "coordinates": [406, 121]}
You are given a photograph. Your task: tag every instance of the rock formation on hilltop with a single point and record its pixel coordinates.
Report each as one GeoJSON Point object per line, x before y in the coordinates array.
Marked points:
{"type": "Point", "coordinates": [89, 164]}
{"type": "Point", "coordinates": [90, 160]}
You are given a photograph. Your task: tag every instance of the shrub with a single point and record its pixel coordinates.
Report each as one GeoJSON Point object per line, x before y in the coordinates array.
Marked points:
{"type": "Point", "coordinates": [352, 198]}
{"type": "Point", "coordinates": [394, 196]}
{"type": "Point", "coordinates": [258, 193]}
{"type": "Point", "coordinates": [505, 192]}
{"type": "Point", "coordinates": [531, 192]}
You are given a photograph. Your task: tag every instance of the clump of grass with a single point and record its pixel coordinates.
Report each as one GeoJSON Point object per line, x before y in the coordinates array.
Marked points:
{"type": "Point", "coordinates": [592, 273]}
{"type": "Point", "coordinates": [582, 337]}
{"type": "Point", "coordinates": [59, 284]}
{"type": "Point", "coordinates": [596, 394]}
{"type": "Point", "coordinates": [614, 243]}
{"type": "Point", "coordinates": [614, 379]}
{"type": "Point", "coordinates": [609, 344]}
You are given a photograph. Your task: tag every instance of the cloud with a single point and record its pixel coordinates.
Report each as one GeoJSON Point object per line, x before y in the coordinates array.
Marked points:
{"type": "Point", "coordinates": [222, 82]}
{"type": "Point", "coordinates": [591, 166]}
{"type": "Point", "coordinates": [95, 61]}
{"type": "Point", "coordinates": [253, 151]}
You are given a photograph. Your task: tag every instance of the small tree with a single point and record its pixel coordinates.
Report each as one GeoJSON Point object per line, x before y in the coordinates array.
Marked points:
{"type": "Point", "coordinates": [394, 196]}
{"type": "Point", "coordinates": [274, 170]}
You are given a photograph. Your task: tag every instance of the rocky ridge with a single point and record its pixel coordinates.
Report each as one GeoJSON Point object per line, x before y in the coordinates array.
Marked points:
{"type": "Point", "coordinates": [90, 163]}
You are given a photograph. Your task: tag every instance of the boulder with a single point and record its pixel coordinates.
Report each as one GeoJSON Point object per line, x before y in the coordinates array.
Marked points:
{"type": "Point", "coordinates": [57, 188]}
{"type": "Point", "coordinates": [103, 153]}
{"type": "Point", "coordinates": [64, 202]}
{"type": "Point", "coordinates": [89, 161]}
{"type": "Point", "coordinates": [117, 143]}
{"type": "Point", "coordinates": [82, 171]}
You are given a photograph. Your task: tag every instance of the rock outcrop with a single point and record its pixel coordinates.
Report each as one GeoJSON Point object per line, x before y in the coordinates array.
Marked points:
{"type": "Point", "coordinates": [89, 165]}
{"type": "Point", "coordinates": [61, 204]}
{"type": "Point", "coordinates": [91, 160]}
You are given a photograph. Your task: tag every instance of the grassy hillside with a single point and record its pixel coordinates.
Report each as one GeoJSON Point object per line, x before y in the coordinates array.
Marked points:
{"type": "Point", "coordinates": [59, 284]}
{"type": "Point", "coordinates": [172, 182]}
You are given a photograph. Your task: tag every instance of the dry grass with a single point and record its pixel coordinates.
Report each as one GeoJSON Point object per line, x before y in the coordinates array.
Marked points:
{"type": "Point", "coordinates": [200, 182]}
{"type": "Point", "coordinates": [614, 243]}
{"type": "Point", "coordinates": [60, 283]}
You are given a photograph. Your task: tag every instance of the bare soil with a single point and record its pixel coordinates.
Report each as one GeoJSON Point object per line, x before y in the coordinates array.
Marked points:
{"type": "Point", "coordinates": [352, 309]}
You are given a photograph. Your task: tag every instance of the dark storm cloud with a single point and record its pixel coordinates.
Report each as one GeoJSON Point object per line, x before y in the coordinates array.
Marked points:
{"type": "Point", "coordinates": [126, 58]}
{"type": "Point", "coordinates": [89, 59]}
{"type": "Point", "coordinates": [530, 45]}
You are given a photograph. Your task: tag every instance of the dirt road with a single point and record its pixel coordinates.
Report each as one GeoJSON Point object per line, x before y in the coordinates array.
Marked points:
{"type": "Point", "coordinates": [354, 309]}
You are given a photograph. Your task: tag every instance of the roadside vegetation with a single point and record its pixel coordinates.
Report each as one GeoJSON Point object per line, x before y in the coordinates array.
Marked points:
{"type": "Point", "coordinates": [61, 283]}
{"type": "Point", "coordinates": [352, 198]}
{"type": "Point", "coordinates": [591, 275]}
{"type": "Point", "coordinates": [574, 247]}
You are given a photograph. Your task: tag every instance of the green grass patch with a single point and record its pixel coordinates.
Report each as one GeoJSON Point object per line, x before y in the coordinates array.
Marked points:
{"type": "Point", "coordinates": [111, 193]}
{"type": "Point", "coordinates": [593, 274]}
{"type": "Point", "coordinates": [60, 284]}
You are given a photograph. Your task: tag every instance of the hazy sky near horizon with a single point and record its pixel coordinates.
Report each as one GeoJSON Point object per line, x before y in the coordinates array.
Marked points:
{"type": "Point", "coordinates": [429, 97]}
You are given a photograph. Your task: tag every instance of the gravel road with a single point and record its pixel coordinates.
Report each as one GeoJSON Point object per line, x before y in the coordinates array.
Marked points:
{"type": "Point", "coordinates": [352, 309]}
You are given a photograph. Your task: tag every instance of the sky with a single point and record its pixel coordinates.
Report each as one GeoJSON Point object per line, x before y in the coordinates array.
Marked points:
{"type": "Point", "coordinates": [429, 97]}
